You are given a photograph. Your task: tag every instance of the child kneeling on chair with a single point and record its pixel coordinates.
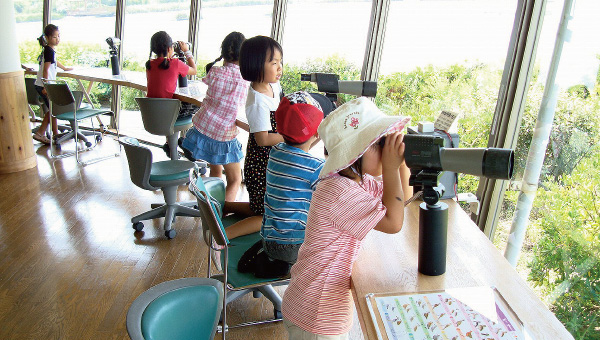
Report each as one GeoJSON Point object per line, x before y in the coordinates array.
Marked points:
{"type": "Point", "coordinates": [292, 175]}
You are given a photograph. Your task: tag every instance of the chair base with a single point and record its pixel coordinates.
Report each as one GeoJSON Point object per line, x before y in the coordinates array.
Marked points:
{"type": "Point", "coordinates": [169, 212]}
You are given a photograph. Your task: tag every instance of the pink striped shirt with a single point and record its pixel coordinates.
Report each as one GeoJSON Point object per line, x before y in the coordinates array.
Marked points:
{"type": "Point", "coordinates": [226, 94]}
{"type": "Point", "coordinates": [341, 214]}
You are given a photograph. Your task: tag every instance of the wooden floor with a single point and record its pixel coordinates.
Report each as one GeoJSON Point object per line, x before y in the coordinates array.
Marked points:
{"type": "Point", "coordinates": [70, 263]}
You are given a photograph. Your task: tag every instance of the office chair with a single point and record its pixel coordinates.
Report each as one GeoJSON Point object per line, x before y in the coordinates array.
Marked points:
{"type": "Point", "coordinates": [159, 116]}
{"type": "Point", "coordinates": [65, 105]}
{"type": "Point", "coordinates": [165, 175]}
{"type": "Point", "coordinates": [236, 284]}
{"type": "Point", "coordinates": [187, 308]}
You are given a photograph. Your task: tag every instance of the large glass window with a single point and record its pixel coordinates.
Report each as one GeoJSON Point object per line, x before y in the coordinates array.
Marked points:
{"type": "Point", "coordinates": [561, 252]}
{"type": "Point", "coordinates": [219, 18]}
{"type": "Point", "coordinates": [446, 55]}
{"type": "Point", "coordinates": [324, 36]}
{"type": "Point", "coordinates": [28, 15]}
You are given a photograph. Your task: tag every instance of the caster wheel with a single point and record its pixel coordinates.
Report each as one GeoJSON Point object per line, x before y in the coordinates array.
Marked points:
{"type": "Point", "coordinates": [138, 226]}
{"type": "Point", "coordinates": [57, 146]}
{"type": "Point", "coordinates": [88, 144]}
{"type": "Point", "coordinates": [98, 138]}
{"type": "Point", "coordinates": [170, 233]}
{"type": "Point", "coordinates": [277, 314]}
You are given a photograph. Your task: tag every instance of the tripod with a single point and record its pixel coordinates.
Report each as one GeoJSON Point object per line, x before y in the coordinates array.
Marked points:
{"type": "Point", "coordinates": [433, 223]}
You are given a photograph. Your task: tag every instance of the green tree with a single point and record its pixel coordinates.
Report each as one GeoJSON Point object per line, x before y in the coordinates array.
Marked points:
{"type": "Point", "coordinates": [566, 258]}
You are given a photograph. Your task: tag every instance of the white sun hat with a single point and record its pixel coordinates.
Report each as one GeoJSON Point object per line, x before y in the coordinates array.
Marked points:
{"type": "Point", "coordinates": [351, 129]}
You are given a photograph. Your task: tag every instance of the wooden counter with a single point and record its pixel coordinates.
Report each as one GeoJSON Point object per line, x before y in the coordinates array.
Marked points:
{"type": "Point", "coordinates": [388, 264]}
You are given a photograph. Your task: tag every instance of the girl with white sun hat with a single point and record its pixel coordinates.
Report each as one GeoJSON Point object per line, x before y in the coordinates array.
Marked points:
{"type": "Point", "coordinates": [348, 202]}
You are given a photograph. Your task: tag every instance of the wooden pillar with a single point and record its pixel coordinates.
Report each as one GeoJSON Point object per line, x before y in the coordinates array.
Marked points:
{"type": "Point", "coordinates": [16, 143]}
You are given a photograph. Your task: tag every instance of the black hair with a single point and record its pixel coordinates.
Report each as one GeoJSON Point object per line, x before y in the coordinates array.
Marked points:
{"type": "Point", "coordinates": [48, 31]}
{"type": "Point", "coordinates": [253, 55]}
{"type": "Point", "coordinates": [159, 45]}
{"type": "Point", "coordinates": [355, 169]}
{"type": "Point", "coordinates": [230, 48]}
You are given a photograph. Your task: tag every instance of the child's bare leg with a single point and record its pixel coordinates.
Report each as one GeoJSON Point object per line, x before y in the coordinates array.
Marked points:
{"type": "Point", "coordinates": [233, 174]}
{"type": "Point", "coordinates": [244, 227]}
{"type": "Point", "coordinates": [242, 208]}
{"type": "Point", "coordinates": [54, 126]}
{"type": "Point", "coordinates": [44, 125]}
{"type": "Point", "coordinates": [216, 171]}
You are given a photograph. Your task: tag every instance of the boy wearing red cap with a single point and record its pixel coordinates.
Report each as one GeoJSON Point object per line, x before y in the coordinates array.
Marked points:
{"type": "Point", "coordinates": [292, 174]}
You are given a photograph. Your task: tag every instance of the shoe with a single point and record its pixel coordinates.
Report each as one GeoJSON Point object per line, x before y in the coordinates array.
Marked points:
{"type": "Point", "coordinates": [187, 153]}
{"type": "Point", "coordinates": [166, 149]}
{"type": "Point", "coordinates": [41, 139]}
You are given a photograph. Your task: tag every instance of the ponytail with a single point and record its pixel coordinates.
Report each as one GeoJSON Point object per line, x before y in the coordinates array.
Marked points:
{"type": "Point", "coordinates": [159, 44]}
{"type": "Point", "coordinates": [208, 66]}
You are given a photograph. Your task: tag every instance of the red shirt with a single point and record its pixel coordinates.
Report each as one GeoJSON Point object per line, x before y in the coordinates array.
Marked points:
{"type": "Point", "coordinates": [163, 83]}
{"type": "Point", "coordinates": [341, 214]}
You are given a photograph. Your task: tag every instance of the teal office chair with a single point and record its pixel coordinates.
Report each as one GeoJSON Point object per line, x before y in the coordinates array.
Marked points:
{"type": "Point", "coordinates": [182, 309]}
{"type": "Point", "coordinates": [159, 116]}
{"type": "Point", "coordinates": [210, 196]}
{"type": "Point", "coordinates": [65, 105]}
{"type": "Point", "coordinates": [165, 175]}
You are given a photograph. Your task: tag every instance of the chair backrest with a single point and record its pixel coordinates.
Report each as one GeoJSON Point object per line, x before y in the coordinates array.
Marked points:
{"type": "Point", "coordinates": [140, 162]}
{"type": "Point", "coordinates": [33, 97]}
{"type": "Point", "coordinates": [59, 93]}
{"type": "Point", "coordinates": [159, 114]}
{"type": "Point", "coordinates": [58, 109]}
{"type": "Point", "coordinates": [208, 206]}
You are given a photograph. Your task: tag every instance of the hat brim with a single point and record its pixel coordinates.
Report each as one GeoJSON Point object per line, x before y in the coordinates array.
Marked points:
{"type": "Point", "coordinates": [345, 154]}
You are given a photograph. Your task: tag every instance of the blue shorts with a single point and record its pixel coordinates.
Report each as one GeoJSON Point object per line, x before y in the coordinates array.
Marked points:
{"type": "Point", "coordinates": [211, 150]}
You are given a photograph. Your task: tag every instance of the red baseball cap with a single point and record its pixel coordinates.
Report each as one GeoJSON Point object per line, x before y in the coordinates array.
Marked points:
{"type": "Point", "coordinates": [298, 117]}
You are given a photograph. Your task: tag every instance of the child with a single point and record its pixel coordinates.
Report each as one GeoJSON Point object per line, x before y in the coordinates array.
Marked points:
{"type": "Point", "coordinates": [292, 174]}
{"type": "Point", "coordinates": [261, 64]}
{"type": "Point", "coordinates": [162, 73]}
{"type": "Point", "coordinates": [47, 70]}
{"type": "Point", "coordinates": [213, 138]}
{"type": "Point", "coordinates": [346, 205]}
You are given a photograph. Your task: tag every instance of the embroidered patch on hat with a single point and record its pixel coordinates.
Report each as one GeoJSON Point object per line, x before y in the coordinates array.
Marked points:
{"type": "Point", "coordinates": [352, 121]}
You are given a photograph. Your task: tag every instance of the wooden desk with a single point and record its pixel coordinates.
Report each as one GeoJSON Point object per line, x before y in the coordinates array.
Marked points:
{"type": "Point", "coordinates": [388, 264]}
{"type": "Point", "coordinates": [194, 93]}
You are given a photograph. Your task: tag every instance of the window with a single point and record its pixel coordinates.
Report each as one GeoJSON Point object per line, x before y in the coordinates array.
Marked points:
{"type": "Point", "coordinates": [218, 18]}
{"type": "Point", "coordinates": [324, 36]}
{"type": "Point", "coordinates": [446, 55]}
{"type": "Point", "coordinates": [560, 254]}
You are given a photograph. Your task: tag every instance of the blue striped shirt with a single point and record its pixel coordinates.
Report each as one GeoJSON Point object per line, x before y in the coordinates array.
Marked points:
{"type": "Point", "coordinates": [292, 176]}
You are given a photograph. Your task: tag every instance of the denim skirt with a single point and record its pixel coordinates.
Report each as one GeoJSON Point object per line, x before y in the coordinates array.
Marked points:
{"type": "Point", "coordinates": [211, 150]}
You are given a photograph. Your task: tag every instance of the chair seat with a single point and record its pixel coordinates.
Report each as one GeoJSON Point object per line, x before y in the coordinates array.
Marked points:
{"type": "Point", "coordinates": [183, 122]}
{"type": "Point", "coordinates": [82, 114]}
{"type": "Point", "coordinates": [184, 313]}
{"type": "Point", "coordinates": [170, 170]}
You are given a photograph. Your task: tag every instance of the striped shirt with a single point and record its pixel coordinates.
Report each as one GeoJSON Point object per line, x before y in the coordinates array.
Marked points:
{"type": "Point", "coordinates": [292, 175]}
{"type": "Point", "coordinates": [341, 214]}
{"type": "Point", "coordinates": [226, 94]}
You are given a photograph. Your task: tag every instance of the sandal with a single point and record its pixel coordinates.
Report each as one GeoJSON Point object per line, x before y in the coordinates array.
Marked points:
{"type": "Point", "coordinates": [41, 139]}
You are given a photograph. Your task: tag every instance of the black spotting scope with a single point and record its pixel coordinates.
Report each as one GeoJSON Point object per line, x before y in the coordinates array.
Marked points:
{"type": "Point", "coordinates": [331, 83]}
{"type": "Point", "coordinates": [424, 152]}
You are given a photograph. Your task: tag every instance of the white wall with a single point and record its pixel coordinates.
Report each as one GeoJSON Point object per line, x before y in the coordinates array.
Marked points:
{"type": "Point", "coordinates": [9, 58]}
